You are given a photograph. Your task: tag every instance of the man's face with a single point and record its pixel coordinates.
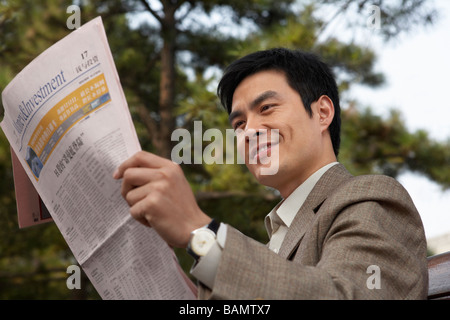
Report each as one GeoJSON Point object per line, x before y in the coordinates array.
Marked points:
{"type": "Point", "coordinates": [264, 102]}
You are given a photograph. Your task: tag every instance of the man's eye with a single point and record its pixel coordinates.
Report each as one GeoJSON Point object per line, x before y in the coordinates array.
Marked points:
{"type": "Point", "coordinates": [265, 107]}
{"type": "Point", "coordinates": [238, 124]}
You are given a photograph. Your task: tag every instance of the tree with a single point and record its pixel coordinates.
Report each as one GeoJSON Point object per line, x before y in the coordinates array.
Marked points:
{"type": "Point", "coordinates": [169, 55]}
{"type": "Point", "coordinates": [33, 261]}
{"type": "Point", "coordinates": [377, 145]}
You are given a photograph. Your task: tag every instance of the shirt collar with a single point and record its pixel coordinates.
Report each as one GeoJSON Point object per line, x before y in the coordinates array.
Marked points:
{"type": "Point", "coordinates": [287, 208]}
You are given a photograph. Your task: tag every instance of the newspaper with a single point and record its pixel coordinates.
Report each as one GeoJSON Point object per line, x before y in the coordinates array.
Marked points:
{"type": "Point", "coordinates": [68, 122]}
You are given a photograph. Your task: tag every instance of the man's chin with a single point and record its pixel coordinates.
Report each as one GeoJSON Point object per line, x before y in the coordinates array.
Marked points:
{"type": "Point", "coordinates": [266, 175]}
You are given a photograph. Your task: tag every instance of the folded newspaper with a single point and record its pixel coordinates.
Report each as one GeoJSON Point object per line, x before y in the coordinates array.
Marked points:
{"type": "Point", "coordinates": [69, 127]}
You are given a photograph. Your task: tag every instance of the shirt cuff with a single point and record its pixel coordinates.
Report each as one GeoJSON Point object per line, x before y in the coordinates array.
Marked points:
{"type": "Point", "coordinates": [205, 269]}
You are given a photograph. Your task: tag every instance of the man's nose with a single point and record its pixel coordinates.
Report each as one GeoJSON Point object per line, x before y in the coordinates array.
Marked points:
{"type": "Point", "coordinates": [253, 129]}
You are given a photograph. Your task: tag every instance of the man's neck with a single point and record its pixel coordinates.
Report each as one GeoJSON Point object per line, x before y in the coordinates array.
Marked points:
{"type": "Point", "coordinates": [287, 189]}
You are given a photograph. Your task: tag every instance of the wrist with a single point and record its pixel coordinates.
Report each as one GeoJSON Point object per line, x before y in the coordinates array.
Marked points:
{"type": "Point", "coordinates": [201, 220]}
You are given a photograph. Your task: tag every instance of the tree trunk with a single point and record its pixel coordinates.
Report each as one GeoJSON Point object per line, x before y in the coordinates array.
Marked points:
{"type": "Point", "coordinates": [167, 82]}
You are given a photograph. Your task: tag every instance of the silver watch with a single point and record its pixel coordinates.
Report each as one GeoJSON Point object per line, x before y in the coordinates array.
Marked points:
{"type": "Point", "coordinates": [202, 239]}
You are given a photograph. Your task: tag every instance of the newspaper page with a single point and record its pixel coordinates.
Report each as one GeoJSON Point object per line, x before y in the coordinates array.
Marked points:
{"type": "Point", "coordinates": [68, 122]}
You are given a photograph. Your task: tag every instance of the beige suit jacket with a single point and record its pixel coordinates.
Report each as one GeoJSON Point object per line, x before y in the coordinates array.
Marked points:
{"type": "Point", "coordinates": [350, 235]}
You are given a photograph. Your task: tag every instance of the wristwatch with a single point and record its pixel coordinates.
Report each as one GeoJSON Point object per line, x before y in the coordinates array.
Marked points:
{"type": "Point", "coordinates": [202, 239]}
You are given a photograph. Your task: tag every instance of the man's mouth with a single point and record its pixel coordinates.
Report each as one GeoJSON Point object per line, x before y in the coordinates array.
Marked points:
{"type": "Point", "coordinates": [261, 151]}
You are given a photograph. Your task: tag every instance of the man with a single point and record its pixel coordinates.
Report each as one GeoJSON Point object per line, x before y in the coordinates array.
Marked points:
{"type": "Point", "coordinates": [333, 236]}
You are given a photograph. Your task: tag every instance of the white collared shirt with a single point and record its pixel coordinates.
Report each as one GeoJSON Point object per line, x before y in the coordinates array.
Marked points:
{"type": "Point", "coordinates": [280, 218]}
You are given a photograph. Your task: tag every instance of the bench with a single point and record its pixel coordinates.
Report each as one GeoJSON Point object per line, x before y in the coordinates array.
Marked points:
{"type": "Point", "coordinates": [439, 277]}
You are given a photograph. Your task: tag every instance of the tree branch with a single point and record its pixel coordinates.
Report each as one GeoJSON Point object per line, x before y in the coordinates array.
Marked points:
{"type": "Point", "coordinates": [22, 275]}
{"type": "Point", "coordinates": [153, 12]}
{"type": "Point", "coordinates": [343, 8]}
{"type": "Point", "coordinates": [214, 195]}
{"type": "Point", "coordinates": [148, 121]}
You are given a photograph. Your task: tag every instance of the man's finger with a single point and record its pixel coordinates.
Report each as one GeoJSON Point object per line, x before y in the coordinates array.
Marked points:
{"type": "Point", "coordinates": [140, 159]}
{"type": "Point", "coordinates": [137, 194]}
{"type": "Point", "coordinates": [137, 177]}
{"type": "Point", "coordinates": [138, 211]}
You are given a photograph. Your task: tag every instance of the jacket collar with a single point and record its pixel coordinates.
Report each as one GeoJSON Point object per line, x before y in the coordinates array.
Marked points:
{"type": "Point", "coordinates": [307, 212]}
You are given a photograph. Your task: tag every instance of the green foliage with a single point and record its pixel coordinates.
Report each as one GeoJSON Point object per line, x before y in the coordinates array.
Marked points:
{"type": "Point", "coordinates": [33, 261]}
{"type": "Point", "coordinates": [371, 144]}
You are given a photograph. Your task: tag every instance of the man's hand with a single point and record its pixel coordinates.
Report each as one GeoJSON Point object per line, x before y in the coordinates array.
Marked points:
{"type": "Point", "coordinates": [160, 197]}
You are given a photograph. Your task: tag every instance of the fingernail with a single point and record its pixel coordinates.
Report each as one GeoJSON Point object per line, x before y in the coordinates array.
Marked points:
{"type": "Point", "coordinates": [116, 173]}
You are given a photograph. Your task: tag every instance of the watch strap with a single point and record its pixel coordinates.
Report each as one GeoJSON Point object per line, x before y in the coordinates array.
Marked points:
{"type": "Point", "coordinates": [213, 226]}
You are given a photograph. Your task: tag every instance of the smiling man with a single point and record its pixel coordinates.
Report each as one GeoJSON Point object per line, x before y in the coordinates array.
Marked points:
{"type": "Point", "coordinates": [264, 102]}
{"type": "Point", "coordinates": [333, 236]}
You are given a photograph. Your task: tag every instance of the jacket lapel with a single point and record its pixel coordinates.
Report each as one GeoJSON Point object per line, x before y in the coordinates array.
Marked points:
{"type": "Point", "coordinates": [307, 213]}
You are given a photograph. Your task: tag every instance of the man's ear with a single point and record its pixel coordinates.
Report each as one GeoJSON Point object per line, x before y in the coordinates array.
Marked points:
{"type": "Point", "coordinates": [325, 111]}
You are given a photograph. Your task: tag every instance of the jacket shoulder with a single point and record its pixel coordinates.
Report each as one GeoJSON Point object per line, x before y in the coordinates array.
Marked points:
{"type": "Point", "coordinates": [371, 188]}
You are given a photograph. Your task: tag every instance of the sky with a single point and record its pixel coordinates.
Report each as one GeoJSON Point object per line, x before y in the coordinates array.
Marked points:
{"type": "Point", "coordinates": [417, 71]}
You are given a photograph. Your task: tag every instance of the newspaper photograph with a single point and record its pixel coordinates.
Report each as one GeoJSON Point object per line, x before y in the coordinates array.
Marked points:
{"type": "Point", "coordinates": [69, 125]}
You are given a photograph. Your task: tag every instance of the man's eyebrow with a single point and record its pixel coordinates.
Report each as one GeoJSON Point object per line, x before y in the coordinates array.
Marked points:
{"type": "Point", "coordinates": [262, 97]}
{"type": "Point", "coordinates": [257, 101]}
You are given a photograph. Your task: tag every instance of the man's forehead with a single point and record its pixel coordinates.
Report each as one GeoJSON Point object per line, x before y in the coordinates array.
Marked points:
{"type": "Point", "coordinates": [263, 84]}
{"type": "Point", "coordinates": [262, 78]}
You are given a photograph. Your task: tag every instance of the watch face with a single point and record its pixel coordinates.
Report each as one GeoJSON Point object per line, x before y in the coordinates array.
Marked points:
{"type": "Point", "coordinates": [202, 241]}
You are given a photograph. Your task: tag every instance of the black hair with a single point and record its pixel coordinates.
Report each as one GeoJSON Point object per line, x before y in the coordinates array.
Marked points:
{"type": "Point", "coordinates": [305, 73]}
